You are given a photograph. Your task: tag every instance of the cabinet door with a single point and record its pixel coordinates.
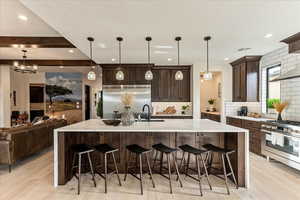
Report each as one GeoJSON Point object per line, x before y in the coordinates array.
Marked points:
{"type": "Point", "coordinates": [252, 81]}
{"type": "Point", "coordinates": [164, 85]}
{"type": "Point", "coordinates": [137, 75]}
{"type": "Point", "coordinates": [236, 83]}
{"type": "Point", "coordinates": [180, 90]}
{"type": "Point", "coordinates": [243, 82]}
{"type": "Point", "coordinates": [155, 86]}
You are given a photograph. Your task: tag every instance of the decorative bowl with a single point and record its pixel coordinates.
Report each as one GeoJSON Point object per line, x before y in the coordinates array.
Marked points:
{"type": "Point", "coordinates": [112, 122]}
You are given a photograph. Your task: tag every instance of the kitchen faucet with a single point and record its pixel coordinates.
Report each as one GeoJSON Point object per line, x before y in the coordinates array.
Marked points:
{"type": "Point", "coordinates": [149, 113]}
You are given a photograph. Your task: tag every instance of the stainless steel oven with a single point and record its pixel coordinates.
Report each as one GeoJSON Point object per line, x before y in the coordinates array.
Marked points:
{"type": "Point", "coordinates": [282, 143]}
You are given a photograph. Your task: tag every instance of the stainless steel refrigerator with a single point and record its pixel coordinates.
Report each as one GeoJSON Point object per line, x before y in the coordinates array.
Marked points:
{"type": "Point", "coordinates": [112, 98]}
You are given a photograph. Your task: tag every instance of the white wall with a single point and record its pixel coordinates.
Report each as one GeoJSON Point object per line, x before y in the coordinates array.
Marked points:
{"type": "Point", "coordinates": [226, 85]}
{"type": "Point", "coordinates": [5, 111]}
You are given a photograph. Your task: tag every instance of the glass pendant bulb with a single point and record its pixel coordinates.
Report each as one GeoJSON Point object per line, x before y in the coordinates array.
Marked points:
{"type": "Point", "coordinates": [120, 76]}
{"type": "Point", "coordinates": [179, 76]}
{"type": "Point", "coordinates": [149, 75]}
{"type": "Point", "coordinates": [207, 76]}
{"type": "Point", "coordinates": [91, 76]}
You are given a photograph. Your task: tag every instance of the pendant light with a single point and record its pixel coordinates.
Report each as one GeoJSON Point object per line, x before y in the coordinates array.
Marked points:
{"type": "Point", "coordinates": [179, 74]}
{"type": "Point", "coordinates": [148, 74]}
{"type": "Point", "coordinates": [120, 74]}
{"type": "Point", "coordinates": [91, 75]}
{"type": "Point", "coordinates": [207, 75]}
{"type": "Point", "coordinates": [23, 68]}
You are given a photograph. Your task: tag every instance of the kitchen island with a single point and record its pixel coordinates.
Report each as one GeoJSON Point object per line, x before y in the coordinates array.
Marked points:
{"type": "Point", "coordinates": [171, 132]}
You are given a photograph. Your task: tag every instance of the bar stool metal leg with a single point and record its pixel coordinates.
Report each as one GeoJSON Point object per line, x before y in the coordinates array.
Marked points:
{"type": "Point", "coordinates": [105, 171]}
{"type": "Point", "coordinates": [225, 174]}
{"type": "Point", "coordinates": [141, 173]}
{"type": "Point", "coordinates": [116, 168]}
{"type": "Point", "coordinates": [199, 174]}
{"type": "Point", "coordinates": [231, 170]}
{"type": "Point", "coordinates": [177, 171]}
{"type": "Point", "coordinates": [79, 173]}
{"type": "Point", "coordinates": [155, 158]}
{"type": "Point", "coordinates": [92, 170]}
{"type": "Point", "coordinates": [205, 171]}
{"type": "Point", "coordinates": [187, 165]}
{"type": "Point", "coordinates": [150, 171]}
{"type": "Point", "coordinates": [169, 169]}
{"type": "Point", "coordinates": [127, 164]}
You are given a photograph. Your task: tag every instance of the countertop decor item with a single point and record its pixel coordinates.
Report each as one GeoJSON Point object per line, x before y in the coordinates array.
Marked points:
{"type": "Point", "coordinates": [127, 116]}
{"type": "Point", "coordinates": [168, 110]}
{"type": "Point", "coordinates": [184, 109]}
{"type": "Point", "coordinates": [279, 107]}
{"type": "Point", "coordinates": [111, 122]}
{"type": "Point", "coordinates": [211, 102]}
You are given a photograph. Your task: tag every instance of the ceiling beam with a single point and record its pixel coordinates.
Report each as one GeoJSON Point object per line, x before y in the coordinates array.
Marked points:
{"type": "Point", "coordinates": [49, 62]}
{"type": "Point", "coordinates": [35, 42]}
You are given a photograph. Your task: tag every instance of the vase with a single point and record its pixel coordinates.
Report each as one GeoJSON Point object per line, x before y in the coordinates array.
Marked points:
{"type": "Point", "coordinates": [279, 117]}
{"type": "Point", "coordinates": [127, 116]}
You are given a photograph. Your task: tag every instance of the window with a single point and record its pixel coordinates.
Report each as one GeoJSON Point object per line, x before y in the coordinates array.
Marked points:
{"type": "Point", "coordinates": [273, 87]}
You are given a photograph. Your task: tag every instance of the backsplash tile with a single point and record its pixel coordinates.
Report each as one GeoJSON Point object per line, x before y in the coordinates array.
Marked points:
{"type": "Point", "coordinates": [231, 108]}
{"type": "Point", "coordinates": [161, 106]}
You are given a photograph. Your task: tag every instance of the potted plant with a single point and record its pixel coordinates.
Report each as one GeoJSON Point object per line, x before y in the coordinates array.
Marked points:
{"type": "Point", "coordinates": [270, 105]}
{"type": "Point", "coordinates": [211, 102]}
{"type": "Point", "coordinates": [184, 108]}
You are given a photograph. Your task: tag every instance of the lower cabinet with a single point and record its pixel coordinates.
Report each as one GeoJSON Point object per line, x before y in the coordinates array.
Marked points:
{"type": "Point", "coordinates": [214, 117]}
{"type": "Point", "coordinates": [255, 135]}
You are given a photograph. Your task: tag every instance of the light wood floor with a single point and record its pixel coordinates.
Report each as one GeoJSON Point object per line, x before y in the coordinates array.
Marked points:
{"type": "Point", "coordinates": [32, 180]}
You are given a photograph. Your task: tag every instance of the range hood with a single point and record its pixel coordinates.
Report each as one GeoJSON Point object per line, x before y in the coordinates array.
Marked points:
{"type": "Point", "coordinates": [294, 73]}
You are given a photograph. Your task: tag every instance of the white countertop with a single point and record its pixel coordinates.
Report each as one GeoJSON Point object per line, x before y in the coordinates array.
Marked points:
{"type": "Point", "coordinates": [251, 118]}
{"type": "Point", "coordinates": [169, 125]}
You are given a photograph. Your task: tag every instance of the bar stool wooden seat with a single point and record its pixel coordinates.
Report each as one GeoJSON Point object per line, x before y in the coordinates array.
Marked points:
{"type": "Point", "coordinates": [81, 150]}
{"type": "Point", "coordinates": [225, 158]}
{"type": "Point", "coordinates": [198, 153]}
{"type": "Point", "coordinates": [106, 150]}
{"type": "Point", "coordinates": [163, 149]}
{"type": "Point", "coordinates": [138, 151]}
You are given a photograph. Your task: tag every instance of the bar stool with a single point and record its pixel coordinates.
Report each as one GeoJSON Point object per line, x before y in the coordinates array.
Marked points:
{"type": "Point", "coordinates": [106, 150]}
{"type": "Point", "coordinates": [81, 150]}
{"type": "Point", "coordinates": [163, 149]}
{"type": "Point", "coordinates": [138, 151]}
{"type": "Point", "coordinates": [225, 157]}
{"type": "Point", "coordinates": [198, 155]}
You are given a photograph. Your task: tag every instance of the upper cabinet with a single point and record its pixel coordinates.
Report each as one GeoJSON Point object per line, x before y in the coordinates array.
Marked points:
{"type": "Point", "coordinates": [134, 74]}
{"type": "Point", "coordinates": [293, 42]}
{"type": "Point", "coordinates": [165, 88]}
{"type": "Point", "coordinates": [245, 79]}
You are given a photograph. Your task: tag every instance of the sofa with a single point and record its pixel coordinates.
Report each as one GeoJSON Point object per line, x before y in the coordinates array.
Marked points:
{"type": "Point", "coordinates": [21, 142]}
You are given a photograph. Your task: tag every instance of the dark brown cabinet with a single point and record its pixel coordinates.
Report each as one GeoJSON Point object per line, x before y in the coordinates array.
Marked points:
{"type": "Point", "coordinates": [214, 117]}
{"type": "Point", "coordinates": [245, 79]}
{"type": "Point", "coordinates": [293, 42]}
{"type": "Point", "coordinates": [134, 74]}
{"type": "Point", "coordinates": [255, 135]}
{"type": "Point", "coordinates": [164, 86]}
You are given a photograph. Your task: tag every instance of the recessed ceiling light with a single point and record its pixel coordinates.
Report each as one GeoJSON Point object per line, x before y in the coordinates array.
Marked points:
{"type": "Point", "coordinates": [102, 45]}
{"type": "Point", "coordinates": [226, 59]}
{"type": "Point", "coordinates": [61, 67]}
{"type": "Point", "coordinates": [15, 46]}
{"type": "Point", "coordinates": [34, 46]}
{"type": "Point", "coordinates": [169, 59]}
{"type": "Point", "coordinates": [23, 17]}
{"type": "Point", "coordinates": [16, 63]}
{"type": "Point", "coordinates": [22, 46]}
{"type": "Point", "coordinates": [268, 35]}
{"type": "Point", "coordinates": [35, 67]}
{"type": "Point", "coordinates": [113, 59]}
{"type": "Point", "coordinates": [163, 47]}
{"type": "Point", "coordinates": [160, 52]}
{"type": "Point", "coordinates": [71, 51]}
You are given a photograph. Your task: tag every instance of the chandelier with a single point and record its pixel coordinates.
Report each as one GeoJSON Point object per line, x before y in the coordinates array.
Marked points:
{"type": "Point", "coordinates": [23, 68]}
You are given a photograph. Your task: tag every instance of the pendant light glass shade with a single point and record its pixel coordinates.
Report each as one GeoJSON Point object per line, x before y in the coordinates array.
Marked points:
{"type": "Point", "coordinates": [120, 76]}
{"type": "Point", "coordinates": [179, 76]}
{"type": "Point", "coordinates": [91, 75]}
{"type": "Point", "coordinates": [149, 75]}
{"type": "Point", "coordinates": [207, 76]}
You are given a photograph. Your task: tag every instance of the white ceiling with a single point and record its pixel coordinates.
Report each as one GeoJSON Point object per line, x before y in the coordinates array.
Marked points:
{"type": "Point", "coordinates": [233, 24]}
